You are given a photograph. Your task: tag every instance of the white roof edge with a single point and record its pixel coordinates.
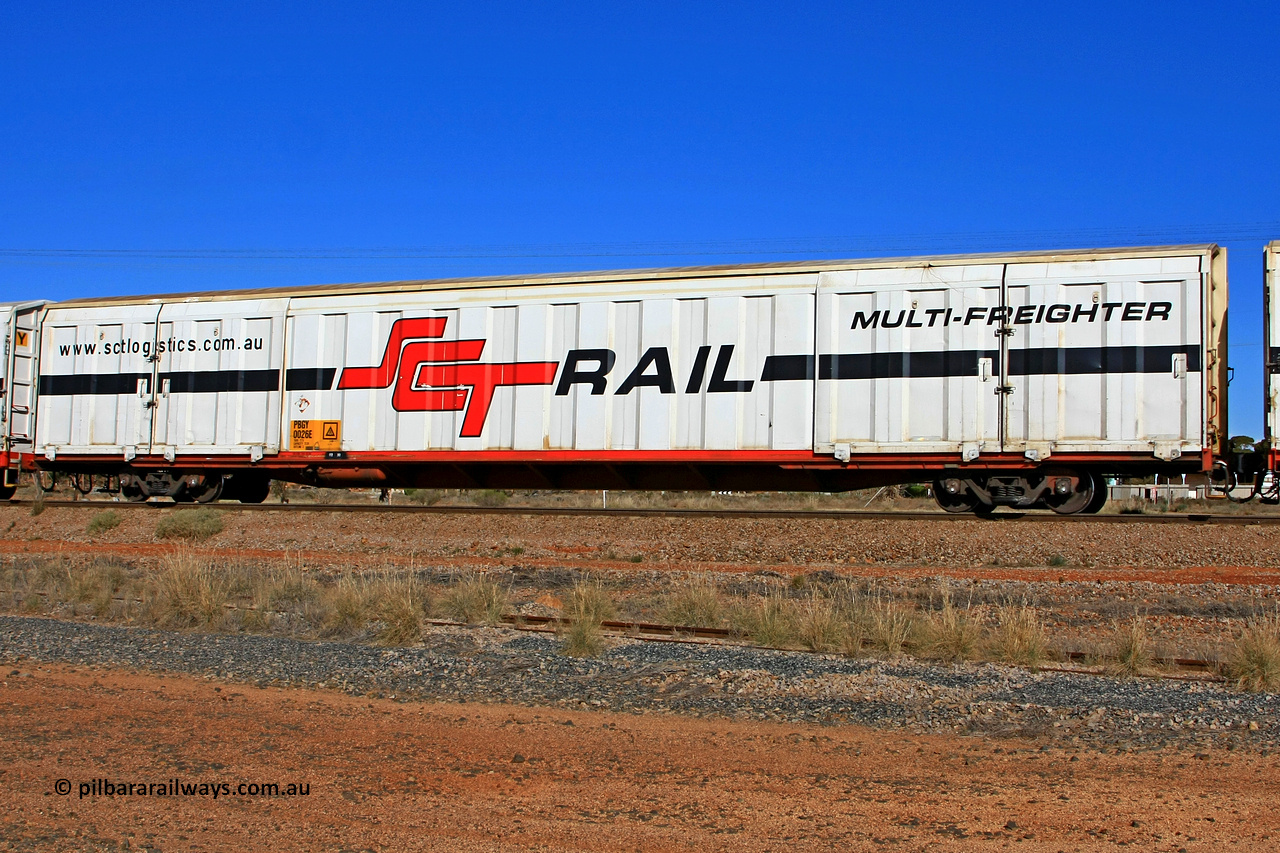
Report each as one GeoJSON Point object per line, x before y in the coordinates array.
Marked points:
{"type": "Point", "coordinates": [603, 276]}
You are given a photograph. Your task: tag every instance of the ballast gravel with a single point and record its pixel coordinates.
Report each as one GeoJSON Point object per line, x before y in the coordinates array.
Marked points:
{"type": "Point", "coordinates": [489, 665]}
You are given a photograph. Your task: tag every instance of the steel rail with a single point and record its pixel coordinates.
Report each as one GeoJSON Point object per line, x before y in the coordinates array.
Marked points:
{"type": "Point", "coordinates": [1193, 669]}
{"type": "Point", "coordinates": [817, 514]}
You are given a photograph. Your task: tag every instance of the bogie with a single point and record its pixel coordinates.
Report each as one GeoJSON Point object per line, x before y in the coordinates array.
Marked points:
{"type": "Point", "coordinates": [1064, 492]}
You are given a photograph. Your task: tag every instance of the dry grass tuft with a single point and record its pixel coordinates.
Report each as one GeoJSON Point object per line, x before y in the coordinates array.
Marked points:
{"type": "Point", "coordinates": [1019, 636]}
{"type": "Point", "coordinates": [344, 610]}
{"type": "Point", "coordinates": [770, 622]}
{"type": "Point", "coordinates": [821, 627]}
{"type": "Point", "coordinates": [189, 592]}
{"type": "Point", "coordinates": [400, 602]}
{"type": "Point", "coordinates": [1254, 661]}
{"type": "Point", "coordinates": [96, 585]}
{"type": "Point", "coordinates": [952, 633]}
{"type": "Point", "coordinates": [698, 605]}
{"type": "Point", "coordinates": [582, 639]}
{"type": "Point", "coordinates": [282, 590]}
{"type": "Point", "coordinates": [890, 624]}
{"type": "Point", "coordinates": [588, 602]}
{"type": "Point", "coordinates": [475, 599]}
{"type": "Point", "coordinates": [1130, 651]}
{"type": "Point", "coordinates": [588, 606]}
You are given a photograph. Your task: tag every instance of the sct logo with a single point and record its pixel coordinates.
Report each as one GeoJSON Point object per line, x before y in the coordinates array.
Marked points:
{"type": "Point", "coordinates": [442, 376]}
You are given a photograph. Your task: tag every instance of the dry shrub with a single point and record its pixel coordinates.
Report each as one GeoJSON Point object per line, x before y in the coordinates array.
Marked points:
{"type": "Point", "coordinates": [821, 627]}
{"type": "Point", "coordinates": [425, 497]}
{"type": "Point", "coordinates": [1019, 636]}
{"type": "Point", "coordinates": [194, 525]}
{"type": "Point", "coordinates": [189, 592]}
{"type": "Point", "coordinates": [1254, 661]}
{"type": "Point", "coordinates": [699, 605]}
{"type": "Point", "coordinates": [475, 599]}
{"type": "Point", "coordinates": [951, 633]}
{"type": "Point", "coordinates": [1130, 651]}
{"type": "Point", "coordinates": [102, 522]}
{"type": "Point", "coordinates": [490, 498]}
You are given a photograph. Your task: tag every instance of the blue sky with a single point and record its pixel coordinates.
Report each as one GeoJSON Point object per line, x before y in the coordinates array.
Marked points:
{"type": "Point", "coordinates": [164, 147]}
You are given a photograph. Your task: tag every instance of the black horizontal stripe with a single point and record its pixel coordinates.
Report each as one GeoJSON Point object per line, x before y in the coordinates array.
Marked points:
{"type": "Point", "coordinates": [896, 365]}
{"type": "Point", "coordinates": [1046, 361]}
{"type": "Point", "coordinates": [779, 368]}
{"type": "Point", "coordinates": [1039, 361]}
{"type": "Point", "coordinates": [1077, 360]}
{"type": "Point", "coordinates": [91, 383]}
{"type": "Point", "coordinates": [213, 381]}
{"type": "Point", "coordinates": [190, 382]}
{"type": "Point", "coordinates": [309, 378]}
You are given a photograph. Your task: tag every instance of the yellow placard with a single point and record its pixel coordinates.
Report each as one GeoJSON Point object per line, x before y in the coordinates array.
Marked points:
{"type": "Point", "coordinates": [23, 338]}
{"type": "Point", "coordinates": [316, 435]}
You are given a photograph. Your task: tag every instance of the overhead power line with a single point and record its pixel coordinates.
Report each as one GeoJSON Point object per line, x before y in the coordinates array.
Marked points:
{"type": "Point", "coordinates": [848, 245]}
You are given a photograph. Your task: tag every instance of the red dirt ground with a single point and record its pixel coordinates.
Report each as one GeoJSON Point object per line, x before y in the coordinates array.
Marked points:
{"type": "Point", "coordinates": [389, 776]}
{"type": "Point", "coordinates": [1233, 575]}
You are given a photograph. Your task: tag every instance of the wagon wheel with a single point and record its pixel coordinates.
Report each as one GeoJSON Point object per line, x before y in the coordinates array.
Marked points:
{"type": "Point", "coordinates": [1099, 497]}
{"type": "Point", "coordinates": [210, 493]}
{"type": "Point", "coordinates": [1078, 501]}
{"type": "Point", "coordinates": [965, 501]}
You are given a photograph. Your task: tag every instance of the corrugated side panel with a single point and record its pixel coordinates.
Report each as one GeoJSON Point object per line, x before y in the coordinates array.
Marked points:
{"type": "Point", "coordinates": [219, 376]}
{"type": "Point", "coordinates": [1037, 358]}
{"type": "Point", "coordinates": [95, 387]}
{"type": "Point", "coordinates": [1115, 363]}
{"type": "Point", "coordinates": [191, 378]}
{"type": "Point", "coordinates": [902, 361]}
{"type": "Point", "coordinates": [583, 369]}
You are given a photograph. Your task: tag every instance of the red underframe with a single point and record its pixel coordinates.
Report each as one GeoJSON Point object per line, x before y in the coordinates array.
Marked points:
{"type": "Point", "coordinates": [792, 459]}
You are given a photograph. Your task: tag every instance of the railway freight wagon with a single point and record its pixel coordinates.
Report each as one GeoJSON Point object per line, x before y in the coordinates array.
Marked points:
{"type": "Point", "coordinates": [1267, 484]}
{"type": "Point", "coordinates": [1014, 379]}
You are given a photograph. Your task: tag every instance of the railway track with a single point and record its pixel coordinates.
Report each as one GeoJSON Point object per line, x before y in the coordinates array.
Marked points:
{"type": "Point", "coordinates": [1075, 662]}
{"type": "Point", "coordinates": [832, 514]}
